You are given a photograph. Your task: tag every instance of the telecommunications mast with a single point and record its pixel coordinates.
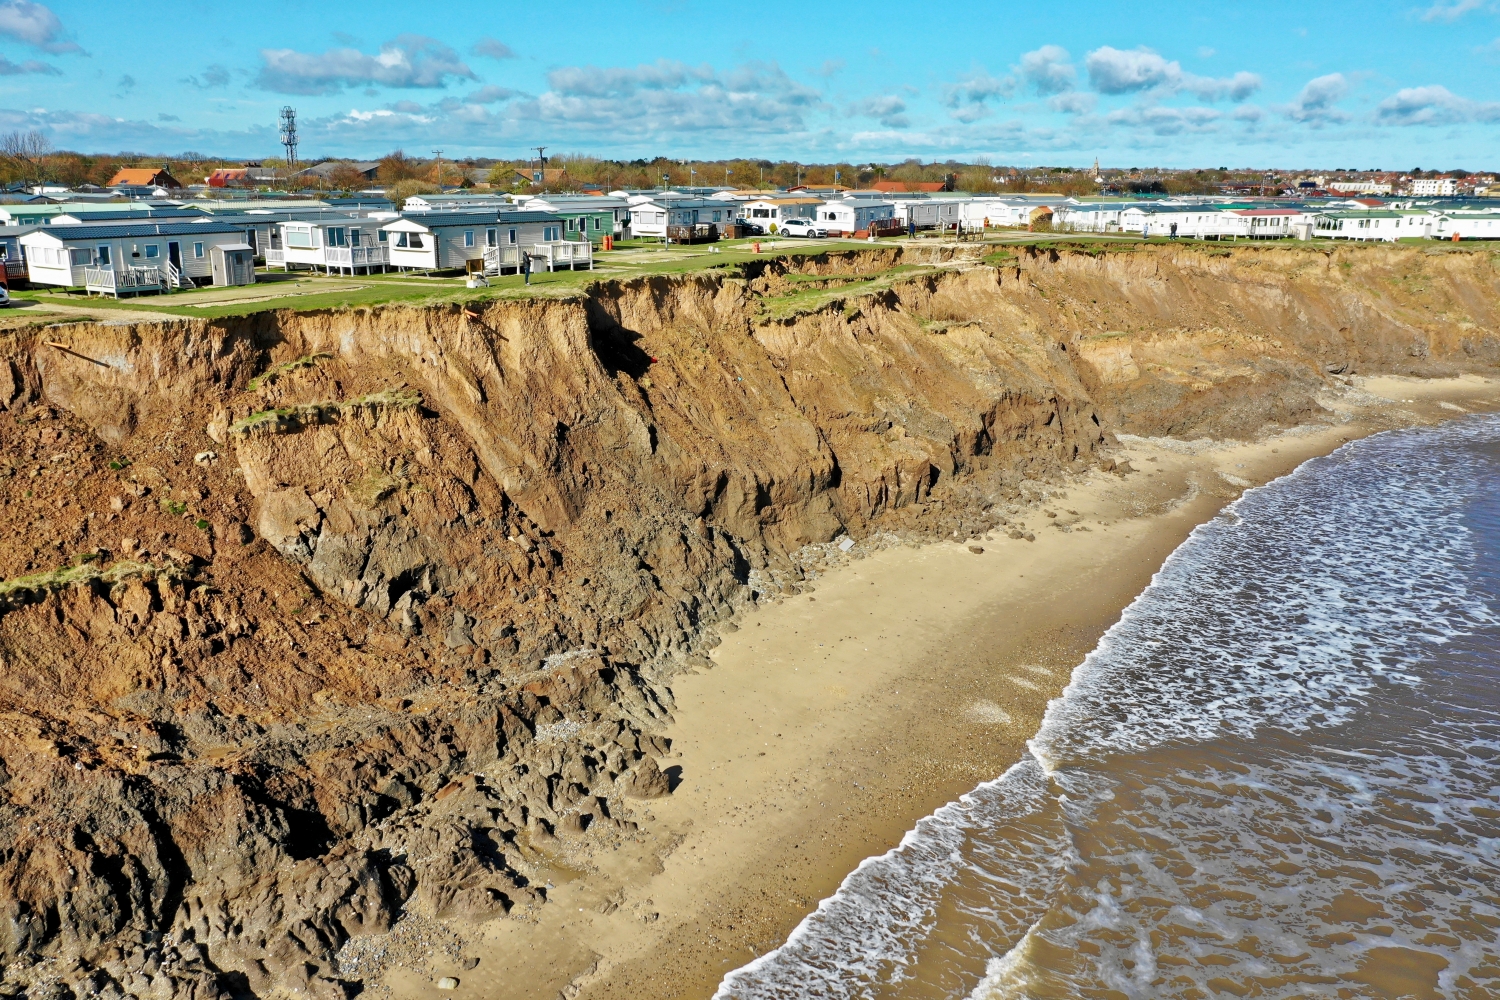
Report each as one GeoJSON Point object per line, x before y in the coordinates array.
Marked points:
{"type": "Point", "coordinates": [289, 135]}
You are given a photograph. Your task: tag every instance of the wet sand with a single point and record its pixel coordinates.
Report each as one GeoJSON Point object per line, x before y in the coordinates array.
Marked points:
{"type": "Point", "coordinates": [832, 721]}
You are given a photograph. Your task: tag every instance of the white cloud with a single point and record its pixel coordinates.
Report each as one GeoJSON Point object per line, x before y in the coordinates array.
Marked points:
{"type": "Point", "coordinates": [1167, 121]}
{"type": "Point", "coordinates": [490, 95]}
{"type": "Point", "coordinates": [1113, 71]}
{"type": "Point", "coordinates": [213, 76]}
{"type": "Point", "coordinates": [8, 68]}
{"type": "Point", "coordinates": [889, 109]}
{"type": "Point", "coordinates": [1249, 113]}
{"type": "Point", "coordinates": [1048, 70]}
{"type": "Point", "coordinates": [1451, 10]}
{"type": "Point", "coordinates": [1073, 103]}
{"type": "Point", "coordinates": [1316, 104]}
{"type": "Point", "coordinates": [663, 100]}
{"type": "Point", "coordinates": [1116, 71]}
{"type": "Point", "coordinates": [623, 81]}
{"type": "Point", "coordinates": [969, 97]}
{"type": "Point", "coordinates": [408, 61]}
{"type": "Point", "coordinates": [35, 25]}
{"type": "Point", "coordinates": [1433, 105]}
{"type": "Point", "coordinates": [492, 48]}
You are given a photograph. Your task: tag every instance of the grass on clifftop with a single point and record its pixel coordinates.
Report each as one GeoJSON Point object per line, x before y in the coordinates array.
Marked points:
{"type": "Point", "coordinates": [306, 292]}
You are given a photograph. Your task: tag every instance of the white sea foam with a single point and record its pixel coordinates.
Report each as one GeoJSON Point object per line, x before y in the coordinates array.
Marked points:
{"type": "Point", "coordinates": [1271, 628]}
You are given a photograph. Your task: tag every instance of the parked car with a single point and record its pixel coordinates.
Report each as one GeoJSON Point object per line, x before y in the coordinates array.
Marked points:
{"type": "Point", "coordinates": [752, 228]}
{"type": "Point", "coordinates": [802, 227]}
{"type": "Point", "coordinates": [4, 294]}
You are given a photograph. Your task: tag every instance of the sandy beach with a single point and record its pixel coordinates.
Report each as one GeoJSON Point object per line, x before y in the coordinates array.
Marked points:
{"type": "Point", "coordinates": [830, 722]}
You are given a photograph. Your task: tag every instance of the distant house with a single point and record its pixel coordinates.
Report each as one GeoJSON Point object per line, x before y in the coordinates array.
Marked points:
{"type": "Point", "coordinates": [1434, 187]}
{"type": "Point", "coordinates": [544, 175]}
{"type": "Point", "coordinates": [143, 177]}
{"type": "Point", "coordinates": [909, 187]}
{"type": "Point", "coordinates": [323, 171]}
{"type": "Point", "coordinates": [229, 178]}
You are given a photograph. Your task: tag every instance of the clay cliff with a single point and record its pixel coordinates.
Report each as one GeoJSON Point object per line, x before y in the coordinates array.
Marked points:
{"type": "Point", "coordinates": [311, 620]}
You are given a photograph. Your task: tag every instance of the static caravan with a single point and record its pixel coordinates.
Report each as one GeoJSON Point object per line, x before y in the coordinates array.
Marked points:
{"type": "Point", "coordinates": [590, 217]}
{"type": "Point", "coordinates": [1260, 223]}
{"type": "Point", "coordinates": [651, 218]}
{"type": "Point", "coordinates": [847, 215]}
{"type": "Point", "coordinates": [343, 244]}
{"type": "Point", "coordinates": [1368, 225]}
{"type": "Point", "coordinates": [495, 241]}
{"type": "Point", "coordinates": [107, 258]}
{"type": "Point", "coordinates": [1476, 225]}
{"type": "Point", "coordinates": [923, 213]}
{"type": "Point", "coordinates": [12, 256]}
{"type": "Point", "coordinates": [768, 212]}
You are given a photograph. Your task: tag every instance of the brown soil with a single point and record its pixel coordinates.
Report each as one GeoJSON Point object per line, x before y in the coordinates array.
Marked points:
{"type": "Point", "coordinates": [311, 622]}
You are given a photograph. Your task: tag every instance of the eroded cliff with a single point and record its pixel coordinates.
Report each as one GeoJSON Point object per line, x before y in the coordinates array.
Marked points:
{"type": "Point", "coordinates": [310, 620]}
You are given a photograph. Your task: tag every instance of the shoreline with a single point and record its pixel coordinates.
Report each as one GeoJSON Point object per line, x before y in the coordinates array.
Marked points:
{"type": "Point", "coordinates": [832, 721]}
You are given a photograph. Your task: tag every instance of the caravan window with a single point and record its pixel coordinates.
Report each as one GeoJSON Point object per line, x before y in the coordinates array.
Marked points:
{"type": "Point", "coordinates": [401, 239]}
{"type": "Point", "coordinates": [416, 241]}
{"type": "Point", "coordinates": [198, 250]}
{"type": "Point", "coordinates": [79, 255]}
{"type": "Point", "coordinates": [468, 237]}
{"type": "Point", "coordinates": [299, 238]}
{"type": "Point", "coordinates": [152, 251]}
{"type": "Point", "coordinates": [512, 237]}
{"type": "Point", "coordinates": [490, 238]}
{"type": "Point", "coordinates": [354, 237]}
{"type": "Point", "coordinates": [336, 238]}
{"type": "Point", "coordinates": [103, 255]}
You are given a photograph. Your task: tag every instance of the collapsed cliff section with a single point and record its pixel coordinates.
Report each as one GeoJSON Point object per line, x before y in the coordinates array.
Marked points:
{"type": "Point", "coordinates": [312, 620]}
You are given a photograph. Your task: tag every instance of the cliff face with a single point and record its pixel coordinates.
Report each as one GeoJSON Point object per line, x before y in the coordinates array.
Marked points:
{"type": "Point", "coordinates": [313, 619]}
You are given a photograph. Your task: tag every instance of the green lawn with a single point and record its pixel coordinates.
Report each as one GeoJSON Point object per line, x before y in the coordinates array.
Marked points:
{"type": "Point", "coordinates": [304, 291]}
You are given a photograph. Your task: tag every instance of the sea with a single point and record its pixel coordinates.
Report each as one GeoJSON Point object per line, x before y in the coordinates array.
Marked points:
{"type": "Point", "coordinates": [1277, 775]}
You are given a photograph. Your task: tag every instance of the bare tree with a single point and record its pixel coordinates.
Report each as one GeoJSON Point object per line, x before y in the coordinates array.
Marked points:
{"type": "Point", "coordinates": [28, 152]}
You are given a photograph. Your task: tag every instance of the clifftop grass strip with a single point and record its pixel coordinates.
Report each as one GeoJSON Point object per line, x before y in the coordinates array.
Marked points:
{"type": "Point", "coordinates": [290, 419]}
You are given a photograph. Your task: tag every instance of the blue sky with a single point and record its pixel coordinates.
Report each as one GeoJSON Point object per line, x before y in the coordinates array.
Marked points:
{"type": "Point", "coordinates": [1276, 84]}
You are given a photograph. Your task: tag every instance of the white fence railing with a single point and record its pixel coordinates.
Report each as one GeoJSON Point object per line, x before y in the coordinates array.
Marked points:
{"type": "Point", "coordinates": [353, 256]}
{"type": "Point", "coordinates": [126, 280]}
{"type": "Point", "coordinates": [565, 254]}
{"type": "Point", "coordinates": [571, 254]}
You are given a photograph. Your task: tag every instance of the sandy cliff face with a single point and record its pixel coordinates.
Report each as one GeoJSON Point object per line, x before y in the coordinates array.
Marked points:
{"type": "Point", "coordinates": [311, 620]}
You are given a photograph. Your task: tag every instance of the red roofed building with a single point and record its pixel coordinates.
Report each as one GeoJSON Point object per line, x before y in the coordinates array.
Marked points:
{"type": "Point", "coordinates": [143, 177]}
{"type": "Point", "coordinates": [227, 178]}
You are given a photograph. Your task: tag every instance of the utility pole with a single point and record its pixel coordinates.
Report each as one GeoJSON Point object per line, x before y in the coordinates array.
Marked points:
{"type": "Point", "coordinates": [439, 154]}
{"type": "Point", "coordinates": [541, 159]}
